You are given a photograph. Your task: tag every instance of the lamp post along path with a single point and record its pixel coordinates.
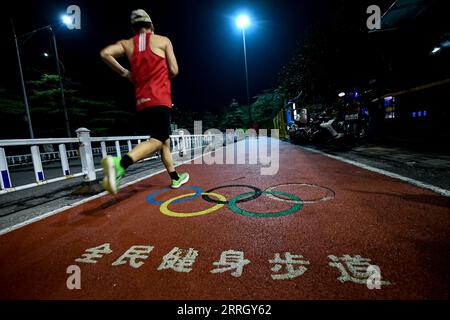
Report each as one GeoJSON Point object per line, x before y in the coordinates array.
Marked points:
{"type": "Point", "coordinates": [61, 84]}
{"type": "Point", "coordinates": [242, 22]}
{"type": "Point", "coordinates": [24, 91]}
{"type": "Point", "coordinates": [246, 79]}
{"type": "Point", "coordinates": [58, 68]}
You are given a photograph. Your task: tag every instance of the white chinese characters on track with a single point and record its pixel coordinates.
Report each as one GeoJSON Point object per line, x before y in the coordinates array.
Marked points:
{"type": "Point", "coordinates": [285, 266]}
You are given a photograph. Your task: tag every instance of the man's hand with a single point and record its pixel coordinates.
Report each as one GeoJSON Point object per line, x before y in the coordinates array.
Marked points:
{"type": "Point", "coordinates": [127, 74]}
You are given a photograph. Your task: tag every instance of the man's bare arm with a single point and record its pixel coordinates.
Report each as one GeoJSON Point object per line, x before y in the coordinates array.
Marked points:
{"type": "Point", "coordinates": [171, 60]}
{"type": "Point", "coordinates": [109, 56]}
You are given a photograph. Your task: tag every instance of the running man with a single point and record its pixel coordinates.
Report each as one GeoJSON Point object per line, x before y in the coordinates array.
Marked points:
{"type": "Point", "coordinates": [153, 63]}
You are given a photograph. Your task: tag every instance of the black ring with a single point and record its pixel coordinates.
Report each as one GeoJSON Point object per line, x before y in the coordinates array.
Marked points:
{"type": "Point", "coordinates": [258, 192]}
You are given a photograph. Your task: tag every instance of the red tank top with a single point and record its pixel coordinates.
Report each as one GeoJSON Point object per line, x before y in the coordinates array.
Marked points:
{"type": "Point", "coordinates": [150, 75]}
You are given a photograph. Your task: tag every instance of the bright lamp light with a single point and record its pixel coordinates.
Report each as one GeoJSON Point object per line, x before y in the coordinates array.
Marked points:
{"type": "Point", "coordinates": [243, 21]}
{"type": "Point", "coordinates": [435, 50]}
{"type": "Point", "coordinates": [66, 19]}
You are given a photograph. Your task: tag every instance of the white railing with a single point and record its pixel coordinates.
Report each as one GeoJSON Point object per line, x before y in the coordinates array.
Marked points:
{"type": "Point", "coordinates": [180, 144]}
{"type": "Point", "coordinates": [25, 159]}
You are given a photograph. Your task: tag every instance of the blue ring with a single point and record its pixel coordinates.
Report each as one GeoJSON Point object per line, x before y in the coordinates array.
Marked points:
{"type": "Point", "coordinates": [198, 192]}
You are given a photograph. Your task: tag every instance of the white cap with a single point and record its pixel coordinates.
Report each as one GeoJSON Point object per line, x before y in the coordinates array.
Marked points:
{"type": "Point", "coordinates": [139, 15]}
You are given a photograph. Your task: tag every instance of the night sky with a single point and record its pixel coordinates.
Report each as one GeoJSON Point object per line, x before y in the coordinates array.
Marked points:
{"type": "Point", "coordinates": [206, 41]}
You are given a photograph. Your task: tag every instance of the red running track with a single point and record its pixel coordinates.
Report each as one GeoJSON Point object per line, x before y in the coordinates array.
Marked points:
{"type": "Point", "coordinates": [402, 229]}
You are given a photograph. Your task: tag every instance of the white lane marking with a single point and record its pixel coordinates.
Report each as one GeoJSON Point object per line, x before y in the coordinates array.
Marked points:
{"type": "Point", "coordinates": [104, 193]}
{"type": "Point", "coordinates": [417, 183]}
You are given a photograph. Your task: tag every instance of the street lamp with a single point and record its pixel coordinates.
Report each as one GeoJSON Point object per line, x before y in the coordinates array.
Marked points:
{"type": "Point", "coordinates": [435, 50]}
{"type": "Point", "coordinates": [242, 22]}
{"type": "Point", "coordinates": [66, 21]}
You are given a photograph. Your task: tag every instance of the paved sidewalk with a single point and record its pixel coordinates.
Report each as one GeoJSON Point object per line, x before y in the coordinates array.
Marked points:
{"type": "Point", "coordinates": [428, 167]}
{"type": "Point", "coordinates": [414, 159]}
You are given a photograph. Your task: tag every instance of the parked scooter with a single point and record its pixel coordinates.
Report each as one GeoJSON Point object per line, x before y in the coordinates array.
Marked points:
{"type": "Point", "coordinates": [326, 129]}
{"type": "Point", "coordinates": [300, 131]}
{"type": "Point", "coordinates": [321, 130]}
{"type": "Point", "coordinates": [292, 130]}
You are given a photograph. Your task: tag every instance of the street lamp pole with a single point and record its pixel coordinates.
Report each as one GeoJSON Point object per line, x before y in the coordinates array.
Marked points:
{"type": "Point", "coordinates": [24, 91]}
{"type": "Point", "coordinates": [242, 22]}
{"type": "Point", "coordinates": [58, 68]}
{"type": "Point", "coordinates": [61, 84]}
{"type": "Point", "coordinates": [246, 79]}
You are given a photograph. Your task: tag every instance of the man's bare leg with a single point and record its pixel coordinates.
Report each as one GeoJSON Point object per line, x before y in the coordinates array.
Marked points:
{"type": "Point", "coordinates": [144, 149]}
{"type": "Point", "coordinates": [166, 156]}
{"type": "Point", "coordinates": [114, 167]}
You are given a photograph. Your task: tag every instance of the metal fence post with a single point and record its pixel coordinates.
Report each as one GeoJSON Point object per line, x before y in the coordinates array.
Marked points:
{"type": "Point", "coordinates": [118, 152]}
{"type": "Point", "coordinates": [172, 140]}
{"type": "Point", "coordinates": [87, 160]}
{"type": "Point", "coordinates": [130, 147]}
{"type": "Point", "coordinates": [5, 181]}
{"type": "Point", "coordinates": [37, 164]}
{"type": "Point", "coordinates": [64, 161]}
{"type": "Point", "coordinates": [103, 147]}
{"type": "Point", "coordinates": [184, 144]}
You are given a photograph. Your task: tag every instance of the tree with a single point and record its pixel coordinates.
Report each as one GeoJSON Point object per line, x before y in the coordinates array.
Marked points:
{"type": "Point", "coordinates": [234, 116]}
{"type": "Point", "coordinates": [334, 56]}
{"type": "Point", "coordinates": [101, 117]}
{"type": "Point", "coordinates": [12, 113]}
{"type": "Point", "coordinates": [266, 106]}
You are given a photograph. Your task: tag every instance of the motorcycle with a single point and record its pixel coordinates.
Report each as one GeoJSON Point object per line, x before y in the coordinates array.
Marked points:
{"type": "Point", "coordinates": [321, 130]}
{"type": "Point", "coordinates": [300, 130]}
{"type": "Point", "coordinates": [326, 129]}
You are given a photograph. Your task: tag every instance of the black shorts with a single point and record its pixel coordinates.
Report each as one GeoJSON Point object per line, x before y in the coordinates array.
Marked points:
{"type": "Point", "coordinates": [155, 121]}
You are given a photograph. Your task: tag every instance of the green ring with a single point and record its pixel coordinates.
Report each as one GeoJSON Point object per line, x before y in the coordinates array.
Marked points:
{"type": "Point", "coordinates": [297, 206]}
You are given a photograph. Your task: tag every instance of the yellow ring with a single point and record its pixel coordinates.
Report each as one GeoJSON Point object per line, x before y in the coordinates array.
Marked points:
{"type": "Point", "coordinates": [164, 208]}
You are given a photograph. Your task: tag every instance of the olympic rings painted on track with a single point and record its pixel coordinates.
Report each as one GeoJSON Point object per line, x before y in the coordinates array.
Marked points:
{"type": "Point", "coordinates": [198, 191]}
{"type": "Point", "coordinates": [221, 201]}
{"type": "Point", "coordinates": [297, 206]}
{"type": "Point", "coordinates": [329, 194]}
{"type": "Point", "coordinates": [255, 195]}
{"type": "Point", "coordinates": [164, 207]}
